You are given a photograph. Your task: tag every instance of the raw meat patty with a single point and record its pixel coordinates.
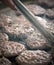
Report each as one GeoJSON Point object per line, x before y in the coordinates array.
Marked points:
{"type": "Point", "coordinates": [11, 49]}
{"type": "Point", "coordinates": [5, 61]}
{"type": "Point", "coordinates": [37, 57]}
{"type": "Point", "coordinates": [3, 37]}
{"type": "Point", "coordinates": [35, 9]}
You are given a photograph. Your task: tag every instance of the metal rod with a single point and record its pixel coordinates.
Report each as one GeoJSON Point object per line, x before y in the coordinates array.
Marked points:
{"type": "Point", "coordinates": [33, 20]}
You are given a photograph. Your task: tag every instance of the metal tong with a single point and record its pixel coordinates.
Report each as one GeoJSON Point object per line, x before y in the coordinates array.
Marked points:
{"type": "Point", "coordinates": [33, 20]}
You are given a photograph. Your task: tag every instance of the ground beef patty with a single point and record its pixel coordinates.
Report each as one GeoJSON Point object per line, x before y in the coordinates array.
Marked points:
{"type": "Point", "coordinates": [50, 13]}
{"type": "Point", "coordinates": [37, 57]}
{"type": "Point", "coordinates": [5, 19]}
{"type": "Point", "coordinates": [36, 41]}
{"type": "Point", "coordinates": [48, 3]}
{"type": "Point", "coordinates": [21, 26]}
{"type": "Point", "coordinates": [52, 52]}
{"type": "Point", "coordinates": [11, 49]}
{"type": "Point", "coordinates": [15, 26]}
{"type": "Point", "coordinates": [3, 37]}
{"type": "Point", "coordinates": [5, 61]}
{"type": "Point", "coordinates": [35, 9]}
